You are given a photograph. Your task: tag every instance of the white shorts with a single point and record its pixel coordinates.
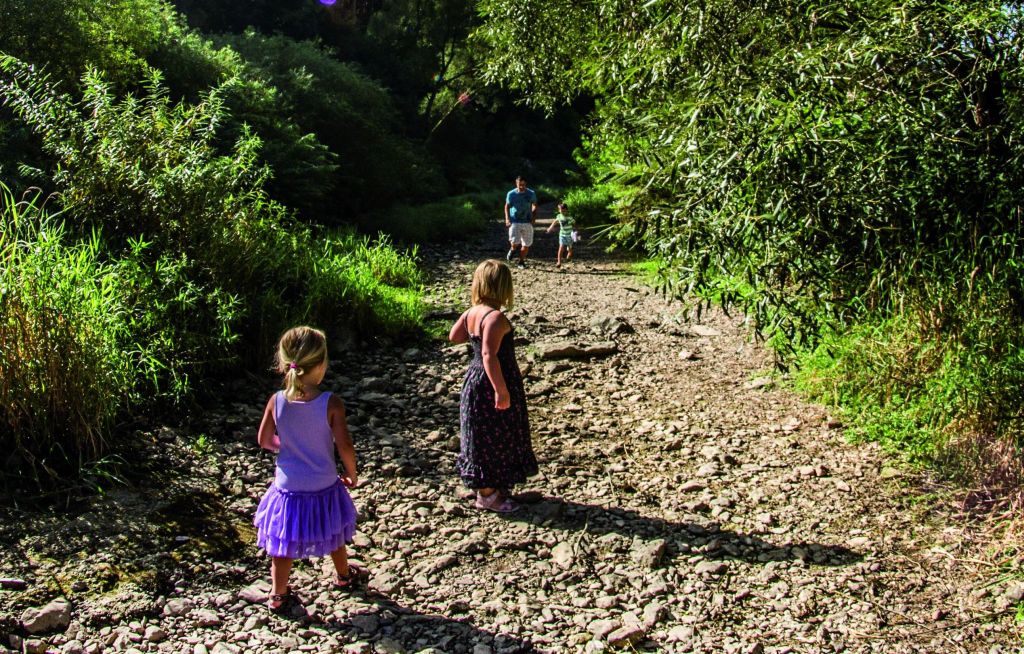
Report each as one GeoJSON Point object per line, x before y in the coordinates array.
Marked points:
{"type": "Point", "coordinates": [521, 233]}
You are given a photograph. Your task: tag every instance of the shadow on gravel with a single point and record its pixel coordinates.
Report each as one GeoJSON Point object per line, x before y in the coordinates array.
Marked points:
{"type": "Point", "coordinates": [379, 619]}
{"type": "Point", "coordinates": [680, 537]}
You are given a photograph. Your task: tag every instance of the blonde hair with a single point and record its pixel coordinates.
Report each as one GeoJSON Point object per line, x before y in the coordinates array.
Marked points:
{"type": "Point", "coordinates": [492, 280]}
{"type": "Point", "coordinates": [299, 350]}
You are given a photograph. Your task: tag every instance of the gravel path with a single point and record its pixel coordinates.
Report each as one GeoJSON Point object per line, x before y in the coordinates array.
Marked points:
{"type": "Point", "coordinates": [686, 503]}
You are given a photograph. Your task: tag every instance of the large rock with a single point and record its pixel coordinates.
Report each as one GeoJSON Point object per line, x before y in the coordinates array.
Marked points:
{"type": "Point", "coordinates": [255, 593]}
{"type": "Point", "coordinates": [609, 325]}
{"type": "Point", "coordinates": [649, 554]}
{"type": "Point", "coordinates": [702, 330]}
{"type": "Point", "coordinates": [627, 635]}
{"type": "Point", "coordinates": [601, 628]}
{"type": "Point", "coordinates": [562, 555]}
{"type": "Point", "coordinates": [55, 616]}
{"type": "Point", "coordinates": [569, 350]}
{"type": "Point", "coordinates": [711, 568]}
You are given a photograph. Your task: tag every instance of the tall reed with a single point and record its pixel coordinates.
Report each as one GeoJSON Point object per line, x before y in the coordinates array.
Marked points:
{"type": "Point", "coordinates": [63, 373]}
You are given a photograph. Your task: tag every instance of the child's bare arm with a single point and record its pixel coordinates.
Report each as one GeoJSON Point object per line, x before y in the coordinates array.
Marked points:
{"type": "Point", "coordinates": [494, 330]}
{"type": "Point", "coordinates": [267, 436]}
{"type": "Point", "coordinates": [459, 332]}
{"type": "Point", "coordinates": [342, 439]}
{"type": "Point", "coordinates": [552, 226]}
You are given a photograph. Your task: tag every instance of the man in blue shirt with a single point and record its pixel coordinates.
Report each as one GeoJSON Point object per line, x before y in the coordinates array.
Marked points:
{"type": "Point", "coordinates": [520, 212]}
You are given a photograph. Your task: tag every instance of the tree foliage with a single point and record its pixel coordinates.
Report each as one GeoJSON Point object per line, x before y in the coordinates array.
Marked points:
{"type": "Point", "coordinates": [831, 156]}
{"type": "Point", "coordinates": [366, 157]}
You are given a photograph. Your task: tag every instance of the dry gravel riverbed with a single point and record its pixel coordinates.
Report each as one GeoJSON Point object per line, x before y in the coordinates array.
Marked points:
{"type": "Point", "coordinates": [686, 503]}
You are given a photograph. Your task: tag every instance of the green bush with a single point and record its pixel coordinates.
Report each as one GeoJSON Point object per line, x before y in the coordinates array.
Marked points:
{"type": "Point", "coordinates": [928, 385]}
{"type": "Point", "coordinates": [342, 281]}
{"type": "Point", "coordinates": [224, 267]}
{"type": "Point", "coordinates": [451, 219]}
{"type": "Point", "coordinates": [67, 37]}
{"type": "Point", "coordinates": [351, 115]}
{"type": "Point", "coordinates": [592, 207]}
{"type": "Point", "coordinates": [326, 130]}
{"type": "Point", "coordinates": [68, 365]}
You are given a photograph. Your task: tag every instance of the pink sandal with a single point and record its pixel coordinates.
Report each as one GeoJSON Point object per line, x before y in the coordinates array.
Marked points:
{"type": "Point", "coordinates": [496, 502]}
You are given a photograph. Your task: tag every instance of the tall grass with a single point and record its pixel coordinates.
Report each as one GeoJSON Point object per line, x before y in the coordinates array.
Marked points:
{"type": "Point", "coordinates": [591, 206]}
{"type": "Point", "coordinates": [941, 386]}
{"type": "Point", "coordinates": [453, 218]}
{"type": "Point", "coordinates": [65, 372]}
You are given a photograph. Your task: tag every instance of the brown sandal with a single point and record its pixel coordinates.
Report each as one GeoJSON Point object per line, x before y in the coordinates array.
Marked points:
{"type": "Point", "coordinates": [355, 573]}
{"type": "Point", "coordinates": [280, 603]}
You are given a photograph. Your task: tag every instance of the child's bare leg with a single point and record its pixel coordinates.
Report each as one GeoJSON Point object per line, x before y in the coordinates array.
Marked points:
{"type": "Point", "coordinates": [340, 558]}
{"type": "Point", "coordinates": [561, 249]}
{"type": "Point", "coordinates": [568, 255]}
{"type": "Point", "coordinates": [280, 568]}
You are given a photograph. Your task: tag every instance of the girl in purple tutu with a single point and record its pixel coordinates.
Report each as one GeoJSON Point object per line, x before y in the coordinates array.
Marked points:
{"type": "Point", "coordinates": [307, 510]}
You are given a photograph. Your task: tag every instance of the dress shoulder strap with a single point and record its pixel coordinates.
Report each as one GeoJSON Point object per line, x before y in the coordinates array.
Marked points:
{"type": "Point", "coordinates": [480, 323]}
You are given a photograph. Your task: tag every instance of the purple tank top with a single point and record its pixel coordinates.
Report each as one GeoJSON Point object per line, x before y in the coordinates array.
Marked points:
{"type": "Point", "coordinates": [306, 460]}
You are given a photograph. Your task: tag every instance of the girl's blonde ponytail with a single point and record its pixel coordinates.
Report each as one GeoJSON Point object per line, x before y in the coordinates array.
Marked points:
{"type": "Point", "coordinates": [300, 349]}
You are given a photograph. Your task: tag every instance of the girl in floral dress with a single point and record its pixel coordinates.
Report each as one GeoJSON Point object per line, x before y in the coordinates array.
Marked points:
{"type": "Point", "coordinates": [495, 452]}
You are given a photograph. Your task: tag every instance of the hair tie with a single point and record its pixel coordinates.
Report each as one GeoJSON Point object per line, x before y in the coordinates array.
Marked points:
{"type": "Point", "coordinates": [292, 365]}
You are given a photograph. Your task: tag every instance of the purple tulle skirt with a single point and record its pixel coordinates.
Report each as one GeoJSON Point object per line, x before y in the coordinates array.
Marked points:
{"type": "Point", "coordinates": [297, 525]}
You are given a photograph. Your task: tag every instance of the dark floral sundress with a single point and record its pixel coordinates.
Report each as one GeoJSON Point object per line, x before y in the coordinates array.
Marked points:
{"type": "Point", "coordinates": [495, 447]}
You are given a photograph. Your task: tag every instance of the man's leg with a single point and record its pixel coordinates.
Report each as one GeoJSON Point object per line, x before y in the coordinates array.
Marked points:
{"type": "Point", "coordinates": [526, 238]}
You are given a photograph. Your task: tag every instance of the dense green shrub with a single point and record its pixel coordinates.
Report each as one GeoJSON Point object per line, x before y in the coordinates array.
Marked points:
{"type": "Point", "coordinates": [67, 361]}
{"type": "Point", "coordinates": [453, 218]}
{"type": "Point", "coordinates": [326, 130]}
{"type": "Point", "coordinates": [592, 207]}
{"type": "Point", "coordinates": [66, 37]}
{"type": "Point", "coordinates": [148, 169]}
{"type": "Point", "coordinates": [903, 381]}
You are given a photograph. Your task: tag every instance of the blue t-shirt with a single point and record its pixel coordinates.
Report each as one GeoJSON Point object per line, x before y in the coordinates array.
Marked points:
{"type": "Point", "coordinates": [520, 205]}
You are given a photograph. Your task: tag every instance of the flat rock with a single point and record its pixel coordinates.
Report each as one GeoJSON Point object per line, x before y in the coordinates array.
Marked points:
{"type": "Point", "coordinates": [255, 593]}
{"type": "Point", "coordinates": [601, 628]}
{"type": "Point", "coordinates": [53, 616]}
{"type": "Point", "coordinates": [703, 331]}
{"type": "Point", "coordinates": [1015, 591]}
{"type": "Point", "coordinates": [711, 567]}
{"type": "Point", "coordinates": [609, 325]}
{"type": "Point", "coordinates": [627, 635]}
{"type": "Point", "coordinates": [649, 554]}
{"type": "Point", "coordinates": [569, 350]}
{"type": "Point", "coordinates": [562, 555]}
